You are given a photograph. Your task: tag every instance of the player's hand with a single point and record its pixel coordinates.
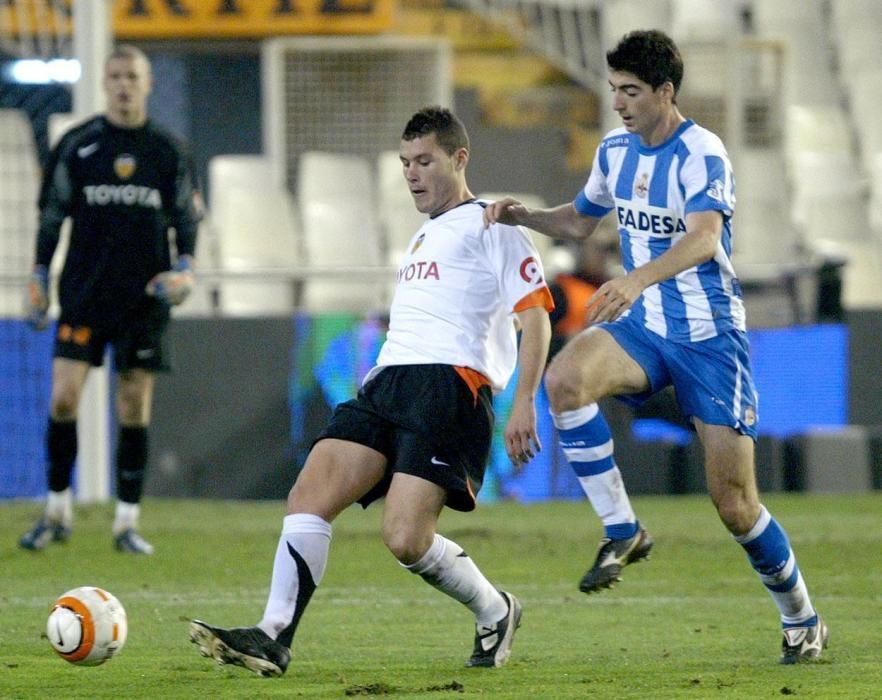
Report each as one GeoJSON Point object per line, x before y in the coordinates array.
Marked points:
{"type": "Point", "coordinates": [38, 298]}
{"type": "Point", "coordinates": [521, 439]}
{"type": "Point", "coordinates": [506, 211]}
{"type": "Point", "coordinates": [175, 285]}
{"type": "Point", "coordinates": [613, 298]}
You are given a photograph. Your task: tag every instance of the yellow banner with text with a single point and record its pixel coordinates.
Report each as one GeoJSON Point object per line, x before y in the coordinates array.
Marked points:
{"type": "Point", "coordinates": [171, 19]}
{"type": "Point", "coordinates": [156, 19]}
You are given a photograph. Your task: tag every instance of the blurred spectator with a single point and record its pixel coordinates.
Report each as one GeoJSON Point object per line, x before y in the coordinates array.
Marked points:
{"type": "Point", "coordinates": [574, 275]}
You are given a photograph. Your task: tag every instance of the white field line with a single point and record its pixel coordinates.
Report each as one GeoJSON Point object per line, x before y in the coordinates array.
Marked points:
{"type": "Point", "coordinates": [552, 596]}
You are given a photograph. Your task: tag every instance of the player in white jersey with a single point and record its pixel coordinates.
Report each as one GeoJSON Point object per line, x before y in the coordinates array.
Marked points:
{"type": "Point", "coordinates": [675, 318]}
{"type": "Point", "coordinates": [419, 430]}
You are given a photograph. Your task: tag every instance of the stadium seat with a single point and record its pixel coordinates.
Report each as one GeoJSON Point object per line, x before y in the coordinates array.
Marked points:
{"type": "Point", "coordinates": [204, 299]}
{"type": "Point", "coordinates": [858, 46]}
{"type": "Point", "coordinates": [816, 128]}
{"type": "Point", "coordinates": [19, 189]}
{"type": "Point", "coordinates": [848, 13]}
{"type": "Point", "coordinates": [622, 16]}
{"type": "Point", "coordinates": [240, 171]}
{"type": "Point", "coordinates": [254, 224]}
{"type": "Point", "coordinates": [865, 98]}
{"type": "Point", "coordinates": [399, 218]}
{"type": "Point", "coordinates": [762, 231]}
{"type": "Point", "coordinates": [60, 123]}
{"type": "Point", "coordinates": [338, 203]}
{"type": "Point", "coordinates": [829, 197]}
{"type": "Point", "coordinates": [876, 195]}
{"type": "Point", "coordinates": [802, 26]}
{"type": "Point", "coordinates": [703, 20]}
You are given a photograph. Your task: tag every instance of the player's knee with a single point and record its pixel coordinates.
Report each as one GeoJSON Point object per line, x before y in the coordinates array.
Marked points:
{"type": "Point", "coordinates": [736, 512]}
{"type": "Point", "coordinates": [63, 406]}
{"type": "Point", "coordinates": [406, 546]}
{"type": "Point", "coordinates": [299, 500]}
{"type": "Point", "coordinates": [132, 404]}
{"type": "Point", "coordinates": [563, 390]}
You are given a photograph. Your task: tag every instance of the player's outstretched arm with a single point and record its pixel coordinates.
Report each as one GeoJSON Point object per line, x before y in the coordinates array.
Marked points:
{"type": "Point", "coordinates": [521, 437]}
{"type": "Point", "coordinates": [562, 222]}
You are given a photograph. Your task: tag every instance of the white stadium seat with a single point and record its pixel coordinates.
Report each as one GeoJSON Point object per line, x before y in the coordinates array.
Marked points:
{"type": "Point", "coordinates": [255, 228]}
{"type": "Point", "coordinates": [865, 95]}
{"type": "Point", "coordinates": [876, 195]}
{"type": "Point", "coordinates": [858, 46]}
{"type": "Point", "coordinates": [829, 197]}
{"type": "Point", "coordinates": [623, 16]}
{"type": "Point", "coordinates": [19, 190]}
{"type": "Point", "coordinates": [702, 20]}
{"type": "Point", "coordinates": [60, 123]}
{"type": "Point", "coordinates": [818, 128]}
{"type": "Point", "coordinates": [337, 200]}
{"type": "Point", "coordinates": [399, 218]}
{"type": "Point", "coordinates": [762, 231]}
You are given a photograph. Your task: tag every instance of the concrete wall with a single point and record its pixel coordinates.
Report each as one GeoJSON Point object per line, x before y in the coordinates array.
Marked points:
{"type": "Point", "coordinates": [223, 423]}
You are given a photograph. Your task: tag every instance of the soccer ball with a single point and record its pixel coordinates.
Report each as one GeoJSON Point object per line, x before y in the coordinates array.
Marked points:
{"type": "Point", "coordinates": [87, 626]}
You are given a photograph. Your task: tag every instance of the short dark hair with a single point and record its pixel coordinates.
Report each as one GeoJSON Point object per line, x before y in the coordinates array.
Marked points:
{"type": "Point", "coordinates": [651, 55]}
{"type": "Point", "coordinates": [448, 129]}
{"type": "Point", "coordinates": [127, 51]}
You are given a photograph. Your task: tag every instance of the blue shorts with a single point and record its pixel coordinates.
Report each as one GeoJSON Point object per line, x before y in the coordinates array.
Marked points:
{"type": "Point", "coordinates": [712, 378]}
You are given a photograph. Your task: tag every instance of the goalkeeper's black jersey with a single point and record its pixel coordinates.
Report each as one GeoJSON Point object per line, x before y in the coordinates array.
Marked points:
{"type": "Point", "coordinates": [123, 190]}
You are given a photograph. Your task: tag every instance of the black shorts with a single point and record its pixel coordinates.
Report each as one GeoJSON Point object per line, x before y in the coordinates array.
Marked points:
{"type": "Point", "coordinates": [138, 341]}
{"type": "Point", "coordinates": [431, 421]}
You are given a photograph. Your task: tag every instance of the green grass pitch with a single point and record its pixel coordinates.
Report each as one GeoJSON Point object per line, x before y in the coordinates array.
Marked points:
{"type": "Point", "coordinates": [693, 622]}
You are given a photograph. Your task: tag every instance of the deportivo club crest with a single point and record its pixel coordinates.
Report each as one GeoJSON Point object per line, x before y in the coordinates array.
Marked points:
{"type": "Point", "coordinates": [641, 186]}
{"type": "Point", "coordinates": [124, 166]}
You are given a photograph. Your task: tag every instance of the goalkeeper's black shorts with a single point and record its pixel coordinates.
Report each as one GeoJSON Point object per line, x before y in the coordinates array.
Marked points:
{"type": "Point", "coordinates": [138, 341]}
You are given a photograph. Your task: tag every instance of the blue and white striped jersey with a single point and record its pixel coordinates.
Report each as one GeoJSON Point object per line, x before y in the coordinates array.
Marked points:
{"type": "Point", "coordinates": [651, 191]}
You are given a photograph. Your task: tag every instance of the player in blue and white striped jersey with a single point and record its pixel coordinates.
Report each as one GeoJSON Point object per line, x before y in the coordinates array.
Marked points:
{"type": "Point", "coordinates": [675, 318]}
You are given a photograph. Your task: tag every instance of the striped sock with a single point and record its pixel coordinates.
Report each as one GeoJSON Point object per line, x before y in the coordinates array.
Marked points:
{"type": "Point", "coordinates": [770, 555]}
{"type": "Point", "coordinates": [588, 446]}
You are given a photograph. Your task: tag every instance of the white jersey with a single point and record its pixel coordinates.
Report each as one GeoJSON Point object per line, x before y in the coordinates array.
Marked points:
{"type": "Point", "coordinates": [652, 190]}
{"type": "Point", "coordinates": [459, 285]}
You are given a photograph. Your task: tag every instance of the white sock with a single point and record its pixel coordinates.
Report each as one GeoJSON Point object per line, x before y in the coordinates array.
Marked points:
{"type": "Point", "coordinates": [608, 496]}
{"type": "Point", "coordinates": [449, 569]}
{"type": "Point", "coordinates": [298, 569]}
{"type": "Point", "coordinates": [126, 516]}
{"type": "Point", "coordinates": [59, 506]}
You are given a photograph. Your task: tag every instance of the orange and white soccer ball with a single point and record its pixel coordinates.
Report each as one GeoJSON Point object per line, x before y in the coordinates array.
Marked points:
{"type": "Point", "coordinates": [87, 626]}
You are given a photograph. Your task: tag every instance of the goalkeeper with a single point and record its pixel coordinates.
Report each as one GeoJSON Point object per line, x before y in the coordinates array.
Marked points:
{"type": "Point", "coordinates": [124, 183]}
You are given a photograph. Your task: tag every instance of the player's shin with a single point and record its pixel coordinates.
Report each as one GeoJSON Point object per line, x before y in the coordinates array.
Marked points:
{"type": "Point", "coordinates": [449, 569]}
{"type": "Point", "coordinates": [131, 463]}
{"type": "Point", "coordinates": [298, 569]}
{"type": "Point", "coordinates": [588, 446]}
{"type": "Point", "coordinates": [769, 553]}
{"type": "Point", "coordinates": [61, 442]}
